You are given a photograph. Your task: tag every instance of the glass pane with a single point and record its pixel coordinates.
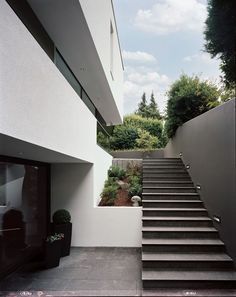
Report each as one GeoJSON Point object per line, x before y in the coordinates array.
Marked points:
{"type": "Point", "coordinates": [23, 212]}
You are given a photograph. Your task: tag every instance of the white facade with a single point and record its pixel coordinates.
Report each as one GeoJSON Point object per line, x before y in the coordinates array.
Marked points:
{"type": "Point", "coordinates": [42, 118]}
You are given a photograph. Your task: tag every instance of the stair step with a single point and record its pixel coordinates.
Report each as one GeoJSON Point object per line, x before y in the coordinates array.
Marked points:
{"type": "Point", "coordinates": [185, 257]}
{"type": "Point", "coordinates": [179, 232]}
{"type": "Point", "coordinates": [183, 245]}
{"type": "Point", "coordinates": [167, 183]}
{"type": "Point", "coordinates": [170, 196]}
{"type": "Point", "coordinates": [165, 171]}
{"type": "Point", "coordinates": [162, 177]}
{"type": "Point", "coordinates": [180, 260]}
{"type": "Point", "coordinates": [177, 221]}
{"type": "Point", "coordinates": [184, 212]}
{"type": "Point", "coordinates": [171, 203]}
{"type": "Point", "coordinates": [188, 279]}
{"type": "Point", "coordinates": [156, 189]}
{"type": "Point", "coordinates": [161, 159]}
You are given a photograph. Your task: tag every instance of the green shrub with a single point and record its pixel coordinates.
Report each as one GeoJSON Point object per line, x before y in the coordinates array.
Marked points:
{"type": "Point", "coordinates": [110, 182]}
{"type": "Point", "coordinates": [109, 194]}
{"type": "Point", "coordinates": [135, 189]}
{"type": "Point", "coordinates": [123, 137]}
{"type": "Point", "coordinates": [103, 140]}
{"type": "Point", "coordinates": [133, 169]}
{"type": "Point", "coordinates": [153, 126]}
{"type": "Point", "coordinates": [61, 216]}
{"type": "Point", "coordinates": [146, 140]}
{"type": "Point", "coordinates": [134, 179]}
{"type": "Point", "coordinates": [116, 172]}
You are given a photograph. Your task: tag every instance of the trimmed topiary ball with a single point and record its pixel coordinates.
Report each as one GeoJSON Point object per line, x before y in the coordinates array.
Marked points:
{"type": "Point", "coordinates": [61, 216]}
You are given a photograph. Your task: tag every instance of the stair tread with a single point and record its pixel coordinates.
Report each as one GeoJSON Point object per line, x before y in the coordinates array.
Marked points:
{"type": "Point", "coordinates": [228, 275]}
{"type": "Point", "coordinates": [180, 229]}
{"type": "Point", "coordinates": [171, 181]}
{"type": "Point", "coordinates": [176, 218]}
{"type": "Point", "coordinates": [185, 257]}
{"type": "Point", "coordinates": [171, 194]}
{"type": "Point", "coordinates": [181, 241]}
{"type": "Point", "coordinates": [174, 201]}
{"type": "Point", "coordinates": [173, 209]}
{"type": "Point", "coordinates": [146, 187]}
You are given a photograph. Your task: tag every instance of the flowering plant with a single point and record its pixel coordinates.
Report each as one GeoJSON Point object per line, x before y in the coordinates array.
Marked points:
{"type": "Point", "coordinates": [54, 237]}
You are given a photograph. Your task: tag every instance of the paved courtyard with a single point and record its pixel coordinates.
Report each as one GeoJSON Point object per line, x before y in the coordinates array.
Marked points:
{"type": "Point", "coordinates": [87, 271]}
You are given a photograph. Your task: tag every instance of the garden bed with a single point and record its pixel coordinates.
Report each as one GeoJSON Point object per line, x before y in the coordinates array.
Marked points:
{"type": "Point", "coordinates": [121, 185]}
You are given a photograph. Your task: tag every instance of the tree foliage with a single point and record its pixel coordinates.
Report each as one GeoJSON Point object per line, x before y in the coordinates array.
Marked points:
{"type": "Point", "coordinates": [220, 36]}
{"type": "Point", "coordinates": [189, 97]}
{"type": "Point", "coordinates": [148, 110]}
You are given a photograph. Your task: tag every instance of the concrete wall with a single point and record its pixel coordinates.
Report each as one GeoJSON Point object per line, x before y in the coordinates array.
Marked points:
{"type": "Point", "coordinates": [37, 104]}
{"type": "Point", "coordinates": [207, 143]}
{"type": "Point", "coordinates": [124, 163]}
{"type": "Point", "coordinates": [77, 187]}
{"type": "Point", "coordinates": [138, 154]}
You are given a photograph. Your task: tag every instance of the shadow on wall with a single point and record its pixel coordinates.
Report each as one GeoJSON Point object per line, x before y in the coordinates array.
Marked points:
{"type": "Point", "coordinates": [207, 144]}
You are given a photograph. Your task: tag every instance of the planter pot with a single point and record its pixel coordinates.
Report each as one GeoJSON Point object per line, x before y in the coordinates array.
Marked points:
{"type": "Point", "coordinates": [52, 253]}
{"type": "Point", "coordinates": [66, 229]}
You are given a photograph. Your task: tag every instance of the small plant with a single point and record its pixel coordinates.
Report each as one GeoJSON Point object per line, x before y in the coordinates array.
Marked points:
{"type": "Point", "coordinates": [133, 169]}
{"type": "Point", "coordinates": [134, 179]}
{"type": "Point", "coordinates": [55, 237]}
{"type": "Point", "coordinates": [135, 190]}
{"type": "Point", "coordinates": [110, 192]}
{"type": "Point", "coordinates": [61, 216]}
{"type": "Point", "coordinates": [110, 182]}
{"type": "Point", "coordinates": [116, 172]}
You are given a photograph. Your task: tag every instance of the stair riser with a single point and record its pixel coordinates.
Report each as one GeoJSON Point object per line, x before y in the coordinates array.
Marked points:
{"type": "Point", "coordinates": [202, 265]}
{"type": "Point", "coordinates": [166, 184]}
{"type": "Point", "coordinates": [172, 204]}
{"type": "Point", "coordinates": [163, 213]}
{"type": "Point", "coordinates": [178, 235]}
{"type": "Point", "coordinates": [169, 190]}
{"type": "Point", "coordinates": [158, 196]}
{"type": "Point", "coordinates": [176, 248]}
{"type": "Point", "coordinates": [154, 223]}
{"type": "Point", "coordinates": [151, 284]}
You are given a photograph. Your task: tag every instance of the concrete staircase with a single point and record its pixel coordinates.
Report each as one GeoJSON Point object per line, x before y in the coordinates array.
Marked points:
{"type": "Point", "coordinates": [180, 246]}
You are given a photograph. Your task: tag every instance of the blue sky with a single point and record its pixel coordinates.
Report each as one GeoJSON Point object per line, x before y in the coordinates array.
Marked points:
{"type": "Point", "coordinates": [160, 40]}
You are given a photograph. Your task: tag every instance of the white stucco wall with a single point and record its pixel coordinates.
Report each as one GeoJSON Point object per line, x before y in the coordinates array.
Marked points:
{"type": "Point", "coordinates": [76, 187]}
{"type": "Point", "coordinates": [37, 104]}
{"type": "Point", "coordinates": [94, 12]}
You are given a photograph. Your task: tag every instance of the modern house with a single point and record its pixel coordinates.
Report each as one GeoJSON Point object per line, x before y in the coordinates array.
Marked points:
{"type": "Point", "coordinates": [61, 76]}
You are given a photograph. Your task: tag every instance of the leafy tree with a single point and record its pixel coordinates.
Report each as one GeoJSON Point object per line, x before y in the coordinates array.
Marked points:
{"type": "Point", "coordinates": [220, 36]}
{"type": "Point", "coordinates": [142, 106]}
{"type": "Point", "coordinates": [189, 97]}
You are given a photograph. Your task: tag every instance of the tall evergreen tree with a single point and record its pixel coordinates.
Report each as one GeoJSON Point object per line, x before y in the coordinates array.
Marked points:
{"type": "Point", "coordinates": [142, 106]}
{"type": "Point", "coordinates": [153, 108]}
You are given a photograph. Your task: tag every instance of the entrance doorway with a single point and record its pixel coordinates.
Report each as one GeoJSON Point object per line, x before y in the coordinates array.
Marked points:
{"type": "Point", "coordinates": [24, 210]}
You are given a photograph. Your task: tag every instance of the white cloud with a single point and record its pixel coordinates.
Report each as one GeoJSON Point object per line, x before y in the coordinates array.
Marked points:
{"type": "Point", "coordinates": [201, 57]}
{"type": "Point", "coordinates": [138, 56]}
{"type": "Point", "coordinates": [167, 16]}
{"type": "Point", "coordinates": [142, 79]}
